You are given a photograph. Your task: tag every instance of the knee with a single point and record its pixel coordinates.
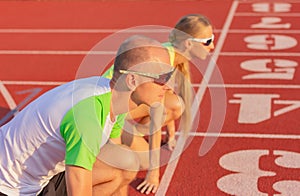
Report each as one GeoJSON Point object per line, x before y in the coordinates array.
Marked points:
{"type": "Point", "coordinates": [130, 166]}
{"type": "Point", "coordinates": [176, 111]}
{"type": "Point", "coordinates": [128, 176]}
{"type": "Point", "coordinates": [119, 156]}
{"type": "Point", "coordinates": [175, 107]}
{"type": "Point", "coordinates": [130, 160]}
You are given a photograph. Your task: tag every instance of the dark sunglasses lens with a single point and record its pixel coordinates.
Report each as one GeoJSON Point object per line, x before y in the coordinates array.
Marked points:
{"type": "Point", "coordinates": [208, 42]}
{"type": "Point", "coordinates": [163, 79]}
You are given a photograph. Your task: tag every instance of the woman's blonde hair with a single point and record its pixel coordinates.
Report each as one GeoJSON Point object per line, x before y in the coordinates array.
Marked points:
{"type": "Point", "coordinates": [187, 27]}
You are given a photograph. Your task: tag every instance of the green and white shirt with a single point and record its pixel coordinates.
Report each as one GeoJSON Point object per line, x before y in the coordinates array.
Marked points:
{"type": "Point", "coordinates": [66, 125]}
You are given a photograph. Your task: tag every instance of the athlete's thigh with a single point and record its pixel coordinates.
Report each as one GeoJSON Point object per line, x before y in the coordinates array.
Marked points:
{"type": "Point", "coordinates": [141, 147]}
{"type": "Point", "coordinates": [116, 156]}
{"type": "Point", "coordinates": [104, 172]}
{"type": "Point", "coordinates": [174, 106]}
{"type": "Point", "coordinates": [173, 101]}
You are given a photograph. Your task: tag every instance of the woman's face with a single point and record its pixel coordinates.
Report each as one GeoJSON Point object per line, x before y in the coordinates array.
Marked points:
{"type": "Point", "coordinates": [201, 50]}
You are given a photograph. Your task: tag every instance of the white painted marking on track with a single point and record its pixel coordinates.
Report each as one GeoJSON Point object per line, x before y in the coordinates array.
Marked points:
{"type": "Point", "coordinates": [268, 54]}
{"type": "Point", "coordinates": [168, 174]}
{"type": "Point", "coordinates": [269, 31]}
{"type": "Point", "coordinates": [7, 96]}
{"type": "Point", "coordinates": [247, 135]}
{"type": "Point", "coordinates": [235, 134]}
{"type": "Point", "coordinates": [16, 30]}
{"type": "Point", "coordinates": [267, 14]}
{"type": "Point", "coordinates": [255, 1]}
{"type": "Point", "coordinates": [259, 86]}
{"type": "Point", "coordinates": [85, 52]}
{"type": "Point", "coordinates": [57, 52]}
{"type": "Point", "coordinates": [42, 83]}
{"type": "Point", "coordinates": [91, 31]}
{"type": "Point", "coordinates": [269, 86]}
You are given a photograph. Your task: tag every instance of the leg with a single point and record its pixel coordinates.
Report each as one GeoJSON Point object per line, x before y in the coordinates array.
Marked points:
{"type": "Point", "coordinates": [133, 138]}
{"type": "Point", "coordinates": [174, 106]}
{"type": "Point", "coordinates": [116, 166]}
{"type": "Point", "coordinates": [139, 145]}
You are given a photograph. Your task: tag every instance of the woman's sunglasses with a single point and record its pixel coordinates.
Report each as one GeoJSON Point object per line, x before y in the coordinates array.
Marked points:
{"type": "Point", "coordinates": [160, 79]}
{"type": "Point", "coordinates": [205, 42]}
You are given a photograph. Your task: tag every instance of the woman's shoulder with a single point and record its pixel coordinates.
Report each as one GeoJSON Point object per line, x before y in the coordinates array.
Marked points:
{"type": "Point", "coordinates": [167, 44]}
{"type": "Point", "coordinates": [171, 51]}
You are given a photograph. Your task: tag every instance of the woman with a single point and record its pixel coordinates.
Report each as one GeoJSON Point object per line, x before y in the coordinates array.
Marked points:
{"type": "Point", "coordinates": [191, 38]}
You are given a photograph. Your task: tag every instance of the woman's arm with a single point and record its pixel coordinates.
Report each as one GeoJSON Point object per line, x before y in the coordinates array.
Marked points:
{"type": "Point", "coordinates": [151, 182]}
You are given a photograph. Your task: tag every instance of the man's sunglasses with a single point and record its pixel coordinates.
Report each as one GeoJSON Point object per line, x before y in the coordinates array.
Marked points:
{"type": "Point", "coordinates": [160, 79]}
{"type": "Point", "coordinates": [205, 42]}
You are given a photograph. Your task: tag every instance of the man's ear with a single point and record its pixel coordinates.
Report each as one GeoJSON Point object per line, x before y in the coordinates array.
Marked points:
{"type": "Point", "coordinates": [188, 44]}
{"type": "Point", "coordinates": [131, 82]}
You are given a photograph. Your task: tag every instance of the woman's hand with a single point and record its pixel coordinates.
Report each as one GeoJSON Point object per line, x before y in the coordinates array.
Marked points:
{"type": "Point", "coordinates": [170, 137]}
{"type": "Point", "coordinates": [151, 182]}
{"type": "Point", "coordinates": [171, 143]}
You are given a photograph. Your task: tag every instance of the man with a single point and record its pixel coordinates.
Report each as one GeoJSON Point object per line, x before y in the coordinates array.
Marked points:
{"type": "Point", "coordinates": [60, 134]}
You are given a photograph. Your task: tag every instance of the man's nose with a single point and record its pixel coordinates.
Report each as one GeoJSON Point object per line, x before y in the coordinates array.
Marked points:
{"type": "Point", "coordinates": [170, 85]}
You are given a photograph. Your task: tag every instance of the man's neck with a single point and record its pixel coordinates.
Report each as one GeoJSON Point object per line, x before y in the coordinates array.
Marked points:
{"type": "Point", "coordinates": [119, 103]}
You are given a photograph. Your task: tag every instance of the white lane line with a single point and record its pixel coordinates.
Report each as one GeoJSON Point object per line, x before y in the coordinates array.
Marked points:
{"type": "Point", "coordinates": [42, 83]}
{"type": "Point", "coordinates": [269, 31]}
{"type": "Point", "coordinates": [267, 14]}
{"type": "Point", "coordinates": [258, 1]}
{"type": "Point", "coordinates": [246, 135]}
{"type": "Point", "coordinates": [16, 30]}
{"type": "Point", "coordinates": [270, 86]}
{"type": "Point", "coordinates": [242, 135]}
{"type": "Point", "coordinates": [85, 52]}
{"type": "Point", "coordinates": [288, 54]}
{"type": "Point", "coordinates": [168, 174]}
{"type": "Point", "coordinates": [57, 52]}
{"type": "Point", "coordinates": [7, 96]}
{"type": "Point", "coordinates": [90, 31]}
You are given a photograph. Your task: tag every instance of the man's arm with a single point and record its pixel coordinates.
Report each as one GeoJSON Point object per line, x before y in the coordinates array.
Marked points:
{"type": "Point", "coordinates": [78, 180]}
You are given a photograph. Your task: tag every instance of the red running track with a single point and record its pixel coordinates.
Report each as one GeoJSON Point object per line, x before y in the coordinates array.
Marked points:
{"type": "Point", "coordinates": [256, 80]}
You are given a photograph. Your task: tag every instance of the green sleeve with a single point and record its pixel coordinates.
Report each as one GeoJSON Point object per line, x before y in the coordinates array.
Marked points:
{"type": "Point", "coordinates": [118, 126]}
{"type": "Point", "coordinates": [77, 153]}
{"type": "Point", "coordinates": [82, 131]}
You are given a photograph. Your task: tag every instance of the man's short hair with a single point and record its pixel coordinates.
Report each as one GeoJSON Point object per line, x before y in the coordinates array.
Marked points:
{"type": "Point", "coordinates": [135, 50]}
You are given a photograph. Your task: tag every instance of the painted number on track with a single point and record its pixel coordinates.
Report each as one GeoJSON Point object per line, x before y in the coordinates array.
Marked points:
{"type": "Point", "coordinates": [248, 173]}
